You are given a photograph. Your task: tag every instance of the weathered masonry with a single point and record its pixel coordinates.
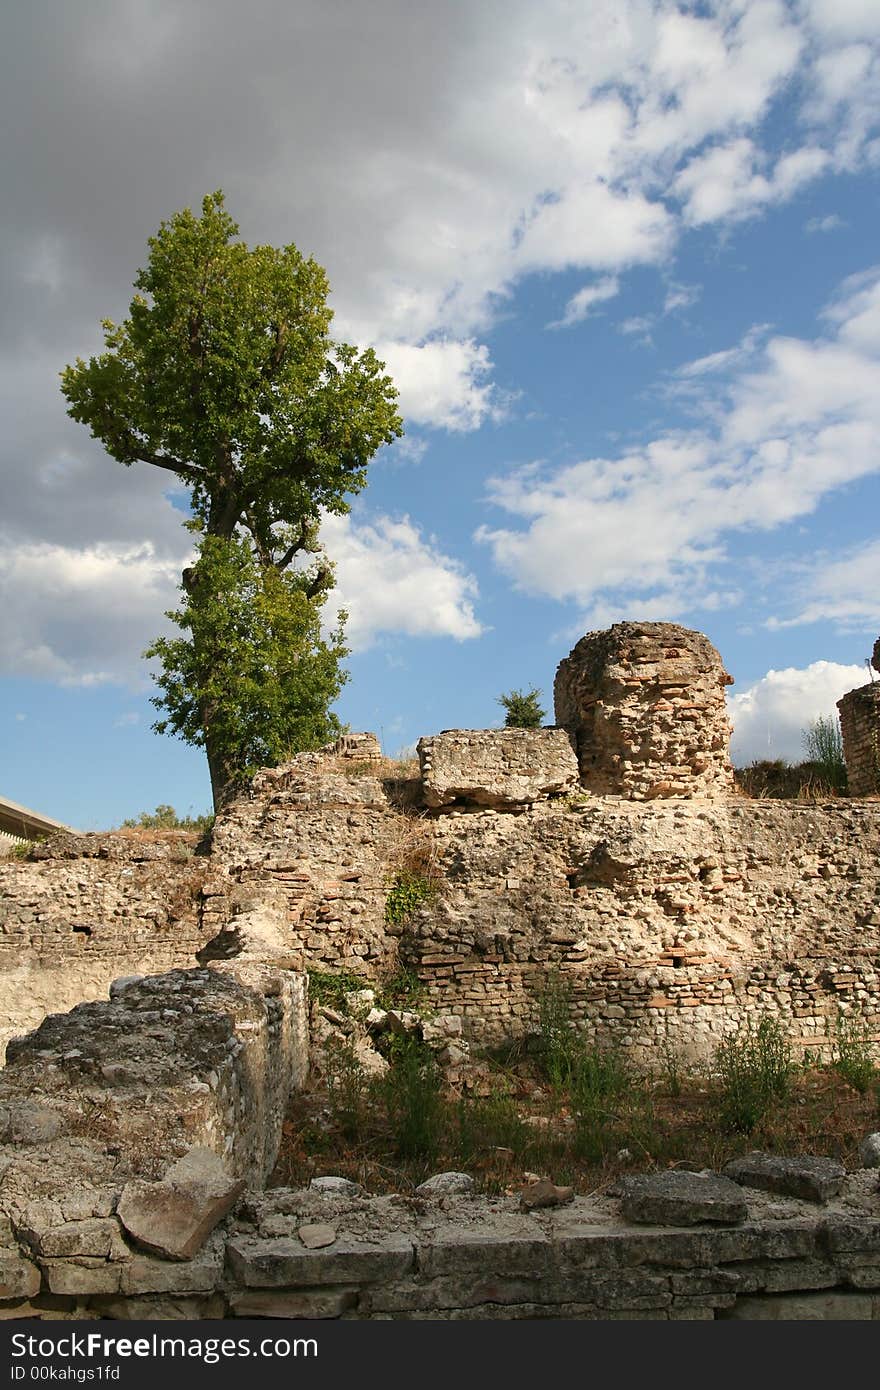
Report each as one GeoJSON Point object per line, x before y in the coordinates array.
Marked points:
{"type": "Point", "coordinates": [860, 727]}
{"type": "Point", "coordinates": [674, 908]}
{"type": "Point", "coordinates": [136, 1132]}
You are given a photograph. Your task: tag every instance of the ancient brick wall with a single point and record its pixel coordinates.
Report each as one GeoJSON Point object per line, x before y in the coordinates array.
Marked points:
{"type": "Point", "coordinates": [88, 908]}
{"type": "Point", "coordinates": [860, 726]}
{"type": "Point", "coordinates": [644, 705]}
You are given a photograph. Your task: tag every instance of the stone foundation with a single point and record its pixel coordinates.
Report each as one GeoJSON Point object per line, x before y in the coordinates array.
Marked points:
{"type": "Point", "coordinates": [459, 1258]}
{"type": "Point", "coordinates": [644, 705]}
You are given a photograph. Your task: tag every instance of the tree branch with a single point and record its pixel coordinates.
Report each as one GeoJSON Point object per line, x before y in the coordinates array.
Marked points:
{"type": "Point", "coordinates": [172, 465]}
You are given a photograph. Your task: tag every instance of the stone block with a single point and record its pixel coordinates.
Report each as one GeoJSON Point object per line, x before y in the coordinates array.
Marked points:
{"type": "Point", "coordinates": [294, 1303]}
{"type": "Point", "coordinates": [19, 1278]}
{"type": "Point", "coordinates": [99, 1238]}
{"type": "Point", "coordinates": [145, 1274]}
{"type": "Point", "coordinates": [813, 1179]}
{"type": "Point", "coordinates": [499, 1246]}
{"type": "Point", "coordinates": [281, 1261]}
{"type": "Point", "coordinates": [496, 767]}
{"type": "Point", "coordinates": [82, 1276]}
{"type": "Point", "coordinates": [174, 1217]}
{"type": "Point", "coordinates": [682, 1199]}
{"type": "Point", "coordinates": [808, 1307]}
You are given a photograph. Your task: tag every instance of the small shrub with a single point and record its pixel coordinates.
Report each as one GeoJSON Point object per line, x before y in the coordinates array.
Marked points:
{"type": "Point", "coordinates": [557, 1039]}
{"type": "Point", "coordinates": [401, 990]}
{"type": "Point", "coordinates": [347, 1088]}
{"type": "Point", "coordinates": [823, 744]}
{"type": "Point", "coordinates": [166, 818]}
{"type": "Point", "coordinates": [852, 1057]}
{"type": "Point", "coordinates": [413, 1101]}
{"type": "Point", "coordinates": [487, 1123]}
{"type": "Point", "coordinates": [755, 1068]}
{"type": "Point", "coordinates": [408, 891]}
{"type": "Point", "coordinates": [331, 986]}
{"type": "Point", "coordinates": [672, 1069]}
{"type": "Point", "coordinates": [522, 709]}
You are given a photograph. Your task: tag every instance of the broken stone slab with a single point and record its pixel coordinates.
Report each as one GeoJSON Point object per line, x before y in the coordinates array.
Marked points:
{"type": "Point", "coordinates": [316, 1235]}
{"type": "Point", "coordinates": [496, 767]}
{"type": "Point", "coordinates": [19, 1278]}
{"type": "Point", "coordinates": [544, 1194]}
{"type": "Point", "coordinates": [100, 1238]}
{"type": "Point", "coordinates": [681, 1198]}
{"type": "Point", "coordinates": [869, 1151]}
{"type": "Point", "coordinates": [446, 1185]}
{"type": "Point", "coordinates": [332, 1186]}
{"type": "Point", "coordinates": [283, 1261]}
{"type": "Point", "coordinates": [24, 1123]}
{"type": "Point", "coordinates": [811, 1178]}
{"type": "Point", "coordinates": [174, 1217]}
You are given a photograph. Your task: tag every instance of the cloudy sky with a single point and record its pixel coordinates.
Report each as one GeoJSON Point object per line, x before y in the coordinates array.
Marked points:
{"type": "Point", "coordinates": [621, 258]}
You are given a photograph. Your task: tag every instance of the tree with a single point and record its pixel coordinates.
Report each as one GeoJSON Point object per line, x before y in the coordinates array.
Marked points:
{"type": "Point", "coordinates": [254, 673]}
{"type": "Point", "coordinates": [522, 709]}
{"type": "Point", "coordinates": [822, 743]}
{"type": "Point", "coordinates": [225, 376]}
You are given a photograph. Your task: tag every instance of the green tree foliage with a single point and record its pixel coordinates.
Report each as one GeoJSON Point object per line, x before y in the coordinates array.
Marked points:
{"type": "Point", "coordinates": [254, 678]}
{"type": "Point", "coordinates": [823, 745]}
{"type": "Point", "coordinates": [225, 376]}
{"type": "Point", "coordinates": [522, 709]}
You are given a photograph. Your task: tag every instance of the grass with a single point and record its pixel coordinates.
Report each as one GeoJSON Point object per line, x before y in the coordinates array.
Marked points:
{"type": "Point", "coordinates": [406, 1126]}
{"type": "Point", "coordinates": [575, 1111]}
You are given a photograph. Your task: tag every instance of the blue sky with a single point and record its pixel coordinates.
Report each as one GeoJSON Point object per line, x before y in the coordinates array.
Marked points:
{"type": "Point", "coordinates": [622, 262]}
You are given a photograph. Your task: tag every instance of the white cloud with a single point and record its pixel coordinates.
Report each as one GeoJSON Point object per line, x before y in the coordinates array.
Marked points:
{"type": "Point", "coordinates": [770, 716]}
{"type": "Point", "coordinates": [824, 224]}
{"type": "Point", "coordinates": [581, 304]}
{"type": "Point", "coordinates": [726, 181]}
{"type": "Point", "coordinates": [844, 591]}
{"type": "Point", "coordinates": [791, 422]}
{"type": "Point", "coordinates": [681, 297]}
{"type": "Point", "coordinates": [391, 579]}
{"type": "Point", "coordinates": [83, 617]}
{"type": "Point", "coordinates": [443, 383]}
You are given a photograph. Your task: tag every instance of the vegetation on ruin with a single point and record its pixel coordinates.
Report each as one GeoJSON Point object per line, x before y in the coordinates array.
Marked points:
{"type": "Point", "coordinates": [522, 709]}
{"type": "Point", "coordinates": [823, 744]}
{"type": "Point", "coordinates": [225, 376]}
{"type": "Point", "coordinates": [408, 891]}
{"type": "Point", "coordinates": [571, 1109]}
{"type": "Point", "coordinates": [821, 775]}
{"type": "Point", "coordinates": [166, 818]}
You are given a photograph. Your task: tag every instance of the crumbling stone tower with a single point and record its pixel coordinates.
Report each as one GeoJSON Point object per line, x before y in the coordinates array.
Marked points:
{"type": "Point", "coordinates": [643, 704]}
{"type": "Point", "coordinates": [860, 727]}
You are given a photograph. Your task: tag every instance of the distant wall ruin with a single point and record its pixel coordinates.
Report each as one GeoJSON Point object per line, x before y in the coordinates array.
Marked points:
{"type": "Point", "coordinates": [860, 727]}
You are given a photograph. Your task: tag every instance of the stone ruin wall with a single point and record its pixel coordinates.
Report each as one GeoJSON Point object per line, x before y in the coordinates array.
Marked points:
{"type": "Point", "coordinates": [136, 1136]}
{"type": "Point", "coordinates": [644, 706]}
{"type": "Point", "coordinates": [672, 919]}
{"type": "Point", "coordinates": [860, 727]}
{"type": "Point", "coordinates": [675, 912]}
{"type": "Point", "coordinates": [85, 909]}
